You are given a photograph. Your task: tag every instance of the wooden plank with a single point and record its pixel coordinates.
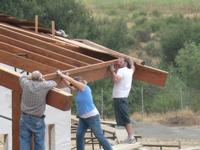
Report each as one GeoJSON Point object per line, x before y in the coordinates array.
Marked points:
{"type": "Point", "coordinates": [41, 51]}
{"type": "Point", "coordinates": [109, 51]}
{"type": "Point", "coordinates": [35, 57]}
{"type": "Point", "coordinates": [56, 97]}
{"type": "Point", "coordinates": [16, 101]}
{"type": "Point", "coordinates": [88, 73]}
{"type": "Point", "coordinates": [150, 75]}
{"type": "Point", "coordinates": [87, 50]}
{"type": "Point", "coordinates": [81, 45]}
{"type": "Point", "coordinates": [48, 46]}
{"type": "Point", "coordinates": [23, 63]}
{"type": "Point", "coordinates": [127, 146]}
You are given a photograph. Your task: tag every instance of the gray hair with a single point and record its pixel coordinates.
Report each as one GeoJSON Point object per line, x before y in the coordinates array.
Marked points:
{"type": "Point", "coordinates": [36, 75]}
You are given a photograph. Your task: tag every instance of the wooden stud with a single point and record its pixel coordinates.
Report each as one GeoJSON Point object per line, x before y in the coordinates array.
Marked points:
{"type": "Point", "coordinates": [36, 23]}
{"type": "Point", "coordinates": [53, 29]}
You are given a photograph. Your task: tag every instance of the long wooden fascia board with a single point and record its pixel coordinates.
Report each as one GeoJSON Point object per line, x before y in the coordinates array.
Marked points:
{"type": "Point", "coordinates": [42, 37]}
{"type": "Point", "coordinates": [23, 63]}
{"type": "Point", "coordinates": [41, 51]}
{"type": "Point", "coordinates": [56, 97]}
{"type": "Point", "coordinates": [107, 50]}
{"type": "Point", "coordinates": [89, 73]}
{"type": "Point", "coordinates": [48, 46]}
{"type": "Point", "coordinates": [35, 57]}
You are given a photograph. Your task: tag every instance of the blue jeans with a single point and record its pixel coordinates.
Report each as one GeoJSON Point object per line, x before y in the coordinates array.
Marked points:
{"type": "Point", "coordinates": [29, 126]}
{"type": "Point", "coordinates": [94, 124]}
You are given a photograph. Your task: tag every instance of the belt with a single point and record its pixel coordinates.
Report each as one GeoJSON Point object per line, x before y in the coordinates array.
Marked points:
{"type": "Point", "coordinates": [33, 115]}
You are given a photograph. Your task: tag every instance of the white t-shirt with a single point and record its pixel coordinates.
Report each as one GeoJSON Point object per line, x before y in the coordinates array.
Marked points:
{"type": "Point", "coordinates": [122, 88]}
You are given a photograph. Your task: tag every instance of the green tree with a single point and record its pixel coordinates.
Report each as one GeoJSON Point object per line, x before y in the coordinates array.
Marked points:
{"type": "Point", "coordinates": [175, 33]}
{"type": "Point", "coordinates": [69, 15]}
{"type": "Point", "coordinates": [188, 61]}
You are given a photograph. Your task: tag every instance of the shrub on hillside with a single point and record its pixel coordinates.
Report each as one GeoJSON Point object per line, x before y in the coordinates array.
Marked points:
{"type": "Point", "coordinates": [188, 61]}
{"type": "Point", "coordinates": [142, 34]}
{"type": "Point", "coordinates": [153, 49]}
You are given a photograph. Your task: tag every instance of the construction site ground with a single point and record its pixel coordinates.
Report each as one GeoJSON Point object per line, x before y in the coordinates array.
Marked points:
{"type": "Point", "coordinates": [160, 134]}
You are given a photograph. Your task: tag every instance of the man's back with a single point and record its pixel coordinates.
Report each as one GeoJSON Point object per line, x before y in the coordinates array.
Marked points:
{"type": "Point", "coordinates": [34, 95]}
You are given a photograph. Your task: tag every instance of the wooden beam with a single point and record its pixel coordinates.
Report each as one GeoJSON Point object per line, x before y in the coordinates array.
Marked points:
{"type": "Point", "coordinates": [89, 73]}
{"type": "Point", "coordinates": [107, 50]}
{"type": "Point", "coordinates": [56, 97]}
{"type": "Point", "coordinates": [16, 102]}
{"type": "Point", "coordinates": [150, 75]}
{"type": "Point", "coordinates": [48, 46]}
{"type": "Point", "coordinates": [87, 50]}
{"type": "Point", "coordinates": [23, 63]}
{"type": "Point", "coordinates": [35, 57]}
{"type": "Point", "coordinates": [41, 51]}
{"type": "Point", "coordinates": [100, 71]}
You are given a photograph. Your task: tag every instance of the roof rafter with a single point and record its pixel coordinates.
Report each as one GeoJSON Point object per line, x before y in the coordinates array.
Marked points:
{"type": "Point", "coordinates": [41, 51]}
{"type": "Point", "coordinates": [24, 63]}
{"type": "Point", "coordinates": [35, 57]}
{"type": "Point", "coordinates": [41, 37]}
{"type": "Point", "coordinates": [48, 46]}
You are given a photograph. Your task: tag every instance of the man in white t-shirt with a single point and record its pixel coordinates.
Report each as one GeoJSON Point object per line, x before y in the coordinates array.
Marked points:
{"type": "Point", "coordinates": [122, 79]}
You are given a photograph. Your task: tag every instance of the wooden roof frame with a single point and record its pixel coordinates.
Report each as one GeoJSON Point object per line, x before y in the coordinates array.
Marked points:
{"type": "Point", "coordinates": [22, 48]}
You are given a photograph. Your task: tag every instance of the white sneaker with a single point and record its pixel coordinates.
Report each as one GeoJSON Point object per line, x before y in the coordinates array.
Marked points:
{"type": "Point", "coordinates": [129, 140]}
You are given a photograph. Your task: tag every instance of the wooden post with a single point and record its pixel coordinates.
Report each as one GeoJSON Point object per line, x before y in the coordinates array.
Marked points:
{"type": "Point", "coordinates": [51, 133]}
{"type": "Point", "coordinates": [5, 139]}
{"type": "Point", "coordinates": [16, 100]}
{"type": "Point", "coordinates": [36, 23]}
{"type": "Point", "coordinates": [53, 28]}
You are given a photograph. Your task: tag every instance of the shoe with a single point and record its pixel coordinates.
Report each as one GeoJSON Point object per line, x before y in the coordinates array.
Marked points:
{"type": "Point", "coordinates": [129, 140]}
